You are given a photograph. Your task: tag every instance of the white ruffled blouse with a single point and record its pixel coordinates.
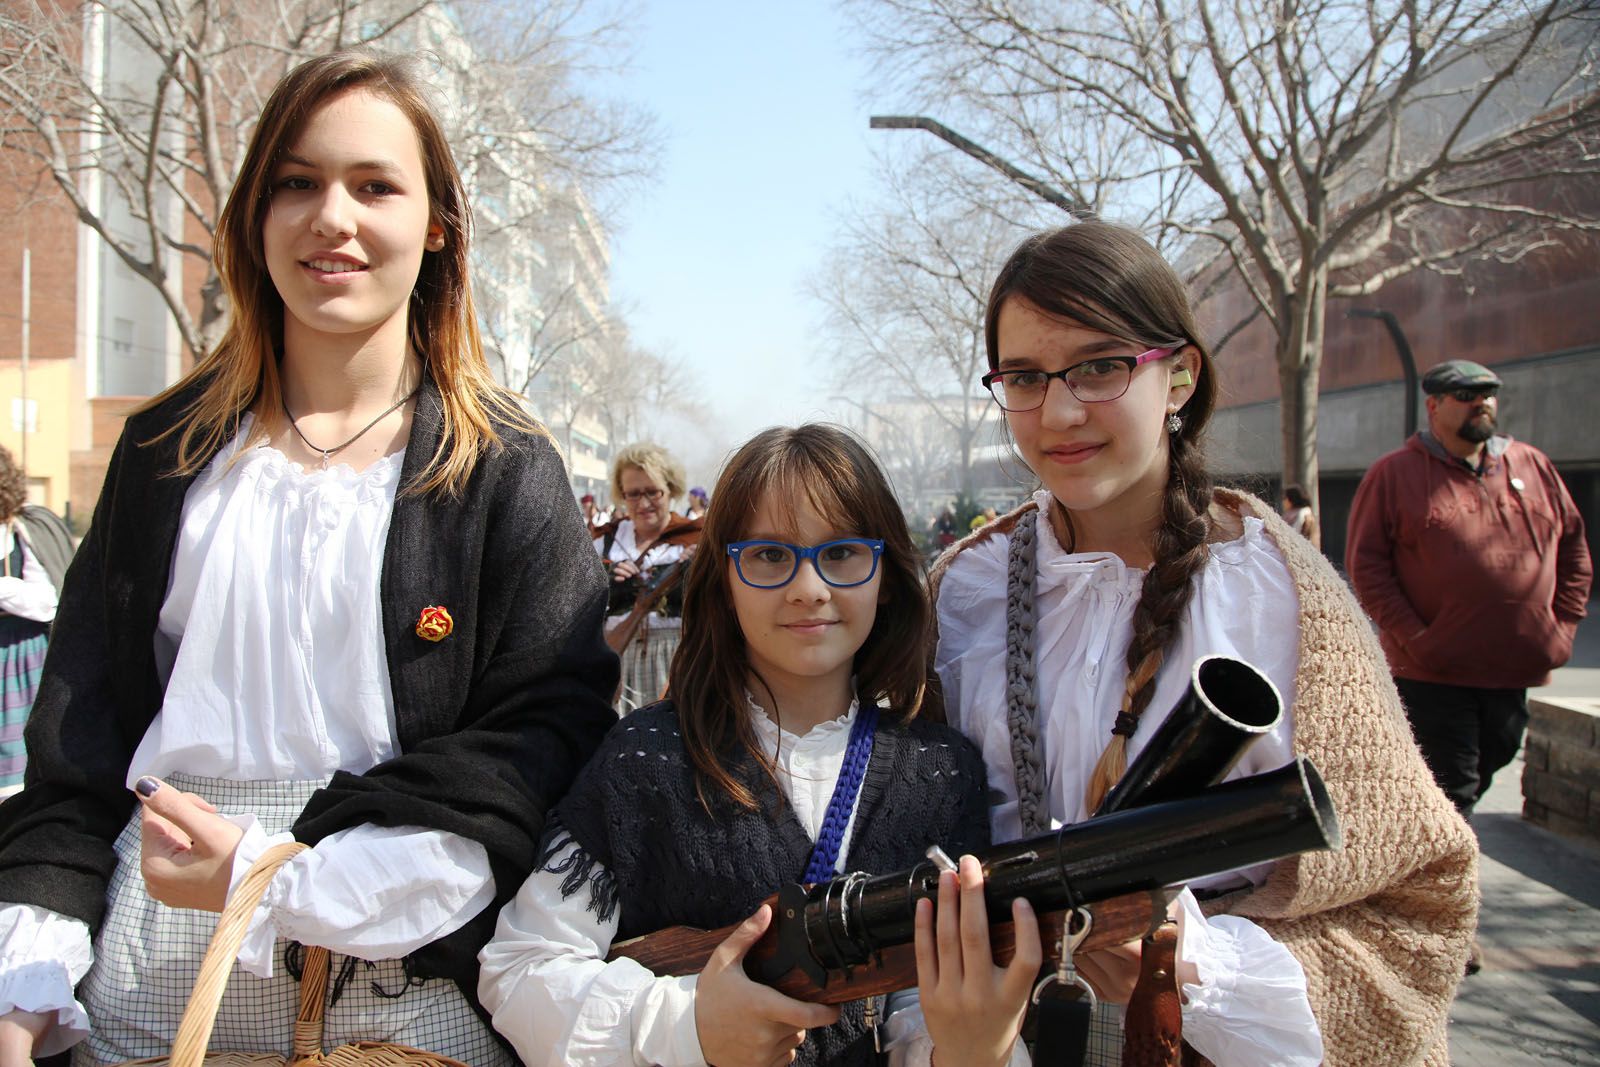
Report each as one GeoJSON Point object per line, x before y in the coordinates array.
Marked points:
{"type": "Point", "coordinates": [28, 594]}
{"type": "Point", "coordinates": [271, 647]}
{"type": "Point", "coordinates": [1250, 1008]}
{"type": "Point", "coordinates": [555, 998]}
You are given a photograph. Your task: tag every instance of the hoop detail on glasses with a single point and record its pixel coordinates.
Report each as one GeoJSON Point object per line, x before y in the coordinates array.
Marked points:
{"type": "Point", "coordinates": [995, 380]}
{"type": "Point", "coordinates": [798, 554]}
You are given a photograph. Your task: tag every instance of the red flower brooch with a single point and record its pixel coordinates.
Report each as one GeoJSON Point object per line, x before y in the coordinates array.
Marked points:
{"type": "Point", "coordinates": [435, 624]}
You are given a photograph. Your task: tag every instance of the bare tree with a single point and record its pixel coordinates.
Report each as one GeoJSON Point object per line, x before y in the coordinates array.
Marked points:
{"type": "Point", "coordinates": [627, 389]}
{"type": "Point", "coordinates": [904, 292]}
{"type": "Point", "coordinates": [166, 129]}
{"type": "Point", "coordinates": [1299, 140]}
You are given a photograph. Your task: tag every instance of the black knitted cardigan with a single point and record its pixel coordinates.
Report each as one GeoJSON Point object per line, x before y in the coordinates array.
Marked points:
{"type": "Point", "coordinates": [494, 721]}
{"type": "Point", "coordinates": [651, 854]}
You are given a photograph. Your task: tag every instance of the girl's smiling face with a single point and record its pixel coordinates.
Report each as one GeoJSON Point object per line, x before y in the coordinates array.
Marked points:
{"type": "Point", "coordinates": [350, 219]}
{"type": "Point", "coordinates": [802, 636]}
{"type": "Point", "coordinates": [1106, 462]}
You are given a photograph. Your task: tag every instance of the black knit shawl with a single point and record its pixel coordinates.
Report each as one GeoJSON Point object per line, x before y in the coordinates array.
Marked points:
{"type": "Point", "coordinates": [648, 847]}
{"type": "Point", "coordinates": [494, 721]}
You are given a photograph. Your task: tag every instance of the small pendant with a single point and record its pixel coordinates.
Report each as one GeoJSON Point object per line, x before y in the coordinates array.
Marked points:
{"type": "Point", "coordinates": [324, 460]}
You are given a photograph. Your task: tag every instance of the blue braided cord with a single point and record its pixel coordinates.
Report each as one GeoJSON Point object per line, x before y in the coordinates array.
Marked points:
{"type": "Point", "coordinates": [825, 856]}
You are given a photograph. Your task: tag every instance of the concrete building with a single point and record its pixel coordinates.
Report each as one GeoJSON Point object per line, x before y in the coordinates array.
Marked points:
{"type": "Point", "coordinates": [99, 339]}
{"type": "Point", "coordinates": [573, 293]}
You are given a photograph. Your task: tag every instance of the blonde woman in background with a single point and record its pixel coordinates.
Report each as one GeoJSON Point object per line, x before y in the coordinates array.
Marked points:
{"type": "Point", "coordinates": [644, 555]}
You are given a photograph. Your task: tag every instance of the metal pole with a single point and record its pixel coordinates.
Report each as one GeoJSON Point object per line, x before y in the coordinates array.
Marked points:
{"type": "Point", "coordinates": [27, 287]}
{"type": "Point", "coordinates": [986, 157]}
{"type": "Point", "coordinates": [1403, 349]}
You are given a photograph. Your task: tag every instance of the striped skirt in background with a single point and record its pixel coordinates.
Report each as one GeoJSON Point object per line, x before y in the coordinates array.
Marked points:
{"type": "Point", "coordinates": [22, 645]}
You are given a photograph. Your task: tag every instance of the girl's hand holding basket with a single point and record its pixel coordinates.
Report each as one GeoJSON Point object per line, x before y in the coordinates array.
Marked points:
{"type": "Point", "coordinates": [186, 848]}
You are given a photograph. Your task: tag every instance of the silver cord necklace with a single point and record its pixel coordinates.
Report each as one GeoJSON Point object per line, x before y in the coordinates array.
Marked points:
{"type": "Point", "coordinates": [336, 449]}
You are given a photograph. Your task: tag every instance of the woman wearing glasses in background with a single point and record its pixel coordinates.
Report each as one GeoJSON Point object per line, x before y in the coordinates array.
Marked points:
{"type": "Point", "coordinates": [1067, 631]}
{"type": "Point", "coordinates": [645, 554]}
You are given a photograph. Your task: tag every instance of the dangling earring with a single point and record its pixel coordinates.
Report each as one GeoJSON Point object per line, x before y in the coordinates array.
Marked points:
{"type": "Point", "coordinates": [1174, 422]}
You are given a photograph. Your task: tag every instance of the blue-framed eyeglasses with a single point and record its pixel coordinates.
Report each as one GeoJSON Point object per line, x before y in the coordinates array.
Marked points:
{"type": "Point", "coordinates": [772, 564]}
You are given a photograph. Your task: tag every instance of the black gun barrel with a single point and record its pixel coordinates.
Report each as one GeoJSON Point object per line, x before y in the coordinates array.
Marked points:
{"type": "Point", "coordinates": [1228, 705]}
{"type": "Point", "coordinates": [1241, 823]}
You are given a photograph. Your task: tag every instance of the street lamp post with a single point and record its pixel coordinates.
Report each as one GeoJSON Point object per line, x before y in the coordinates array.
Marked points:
{"type": "Point", "coordinates": [987, 158]}
{"type": "Point", "coordinates": [1403, 349]}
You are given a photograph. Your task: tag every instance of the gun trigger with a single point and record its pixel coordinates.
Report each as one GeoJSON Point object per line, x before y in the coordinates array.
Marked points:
{"type": "Point", "coordinates": [869, 1019]}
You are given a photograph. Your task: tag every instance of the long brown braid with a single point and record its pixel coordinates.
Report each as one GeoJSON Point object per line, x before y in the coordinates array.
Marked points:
{"type": "Point", "coordinates": [1109, 278]}
{"type": "Point", "coordinates": [1179, 551]}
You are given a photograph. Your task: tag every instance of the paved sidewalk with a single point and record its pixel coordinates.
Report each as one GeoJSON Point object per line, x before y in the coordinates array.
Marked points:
{"type": "Point", "coordinates": [1537, 999]}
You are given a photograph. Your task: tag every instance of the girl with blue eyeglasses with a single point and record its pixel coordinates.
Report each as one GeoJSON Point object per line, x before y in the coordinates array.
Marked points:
{"type": "Point", "coordinates": [790, 750]}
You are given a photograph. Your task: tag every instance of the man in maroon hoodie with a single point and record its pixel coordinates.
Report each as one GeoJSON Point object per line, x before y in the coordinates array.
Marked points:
{"type": "Point", "coordinates": [1467, 551]}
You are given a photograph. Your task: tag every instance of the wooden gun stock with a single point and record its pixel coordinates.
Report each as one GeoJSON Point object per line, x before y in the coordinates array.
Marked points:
{"type": "Point", "coordinates": [682, 950]}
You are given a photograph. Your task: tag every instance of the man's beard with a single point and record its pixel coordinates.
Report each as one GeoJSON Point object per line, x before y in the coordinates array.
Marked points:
{"type": "Point", "coordinates": [1477, 428]}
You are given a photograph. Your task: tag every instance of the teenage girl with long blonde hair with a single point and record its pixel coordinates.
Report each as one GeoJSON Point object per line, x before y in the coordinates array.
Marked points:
{"type": "Point", "coordinates": [336, 589]}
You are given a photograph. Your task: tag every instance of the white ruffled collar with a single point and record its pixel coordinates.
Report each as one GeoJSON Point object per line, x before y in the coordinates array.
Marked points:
{"type": "Point", "coordinates": [270, 464]}
{"type": "Point", "coordinates": [1056, 566]}
{"type": "Point", "coordinates": [820, 734]}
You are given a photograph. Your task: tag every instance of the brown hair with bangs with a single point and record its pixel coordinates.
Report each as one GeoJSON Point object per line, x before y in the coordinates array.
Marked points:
{"type": "Point", "coordinates": [1108, 278]}
{"type": "Point", "coordinates": [242, 372]}
{"type": "Point", "coordinates": [828, 469]}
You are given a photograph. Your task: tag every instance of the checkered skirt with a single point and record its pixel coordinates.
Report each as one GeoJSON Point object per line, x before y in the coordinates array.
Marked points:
{"type": "Point", "coordinates": [147, 956]}
{"type": "Point", "coordinates": [646, 663]}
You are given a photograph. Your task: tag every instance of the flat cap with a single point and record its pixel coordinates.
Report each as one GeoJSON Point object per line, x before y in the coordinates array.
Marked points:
{"type": "Point", "coordinates": [1458, 374]}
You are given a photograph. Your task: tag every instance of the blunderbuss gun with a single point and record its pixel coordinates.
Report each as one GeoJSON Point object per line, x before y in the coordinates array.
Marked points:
{"type": "Point", "coordinates": [1166, 822]}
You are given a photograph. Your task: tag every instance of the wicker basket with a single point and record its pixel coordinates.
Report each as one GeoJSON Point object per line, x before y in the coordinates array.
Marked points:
{"type": "Point", "coordinates": [194, 1031]}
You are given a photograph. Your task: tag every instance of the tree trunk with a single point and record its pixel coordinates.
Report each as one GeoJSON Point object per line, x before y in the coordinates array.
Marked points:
{"type": "Point", "coordinates": [1299, 373]}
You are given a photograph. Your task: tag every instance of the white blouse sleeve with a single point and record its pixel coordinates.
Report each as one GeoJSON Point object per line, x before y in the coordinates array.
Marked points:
{"type": "Point", "coordinates": [1251, 1008]}
{"type": "Point", "coordinates": [43, 956]}
{"type": "Point", "coordinates": [373, 892]}
{"type": "Point", "coordinates": [30, 595]}
{"type": "Point", "coordinates": [546, 982]}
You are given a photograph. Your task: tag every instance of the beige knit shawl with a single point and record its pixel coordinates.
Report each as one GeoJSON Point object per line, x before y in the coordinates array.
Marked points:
{"type": "Point", "coordinates": [1383, 926]}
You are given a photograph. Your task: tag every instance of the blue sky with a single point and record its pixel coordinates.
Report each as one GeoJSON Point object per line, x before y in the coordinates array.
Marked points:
{"type": "Point", "coordinates": [766, 141]}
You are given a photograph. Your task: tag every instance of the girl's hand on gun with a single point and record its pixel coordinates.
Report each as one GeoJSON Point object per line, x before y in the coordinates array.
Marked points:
{"type": "Point", "coordinates": [186, 848]}
{"type": "Point", "coordinates": [623, 569]}
{"type": "Point", "coordinates": [973, 1008]}
{"type": "Point", "coordinates": [741, 1022]}
{"type": "Point", "coordinates": [19, 1031]}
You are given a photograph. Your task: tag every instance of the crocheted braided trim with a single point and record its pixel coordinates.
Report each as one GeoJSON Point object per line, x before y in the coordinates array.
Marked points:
{"type": "Point", "coordinates": [1022, 694]}
{"type": "Point", "coordinates": [830, 837]}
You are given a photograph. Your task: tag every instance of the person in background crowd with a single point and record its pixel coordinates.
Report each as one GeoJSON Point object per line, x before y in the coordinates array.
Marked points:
{"type": "Point", "coordinates": [28, 593]}
{"type": "Point", "coordinates": [1103, 591]}
{"type": "Point", "coordinates": [644, 555]}
{"type": "Point", "coordinates": [1467, 551]}
{"type": "Point", "coordinates": [696, 508]}
{"type": "Point", "coordinates": [591, 514]}
{"type": "Point", "coordinates": [336, 590]}
{"type": "Point", "coordinates": [1298, 514]}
